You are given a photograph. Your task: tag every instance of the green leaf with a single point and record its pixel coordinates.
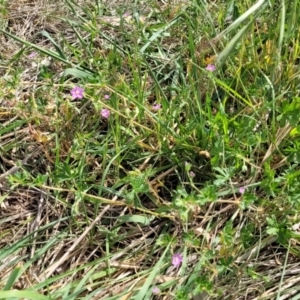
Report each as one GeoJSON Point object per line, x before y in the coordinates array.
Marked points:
{"type": "Point", "coordinates": [136, 219]}
{"type": "Point", "coordinates": [77, 73]}
{"type": "Point", "coordinates": [158, 34]}
{"type": "Point", "coordinates": [22, 295]}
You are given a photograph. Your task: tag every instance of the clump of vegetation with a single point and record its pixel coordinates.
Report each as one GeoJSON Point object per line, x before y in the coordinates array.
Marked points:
{"type": "Point", "coordinates": [149, 149]}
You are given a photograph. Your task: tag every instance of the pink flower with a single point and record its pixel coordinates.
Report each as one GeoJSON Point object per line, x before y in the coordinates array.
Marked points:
{"type": "Point", "coordinates": [32, 55]}
{"type": "Point", "coordinates": [156, 290]}
{"type": "Point", "coordinates": [211, 68]}
{"type": "Point", "coordinates": [156, 107]}
{"type": "Point", "coordinates": [177, 260]}
{"type": "Point", "coordinates": [105, 113]}
{"type": "Point", "coordinates": [77, 92]}
{"type": "Point", "coordinates": [106, 97]}
{"type": "Point", "coordinates": [242, 190]}
{"type": "Point", "coordinates": [192, 174]}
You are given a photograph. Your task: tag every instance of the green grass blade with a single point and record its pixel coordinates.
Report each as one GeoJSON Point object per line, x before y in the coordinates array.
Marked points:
{"type": "Point", "coordinates": [21, 295]}
{"type": "Point", "coordinates": [45, 51]}
{"type": "Point", "coordinates": [40, 49]}
{"type": "Point", "coordinates": [232, 44]}
{"type": "Point", "coordinates": [13, 277]}
{"type": "Point", "coordinates": [281, 29]}
{"type": "Point", "coordinates": [145, 288]}
{"type": "Point", "coordinates": [259, 5]}
{"type": "Point", "coordinates": [58, 49]}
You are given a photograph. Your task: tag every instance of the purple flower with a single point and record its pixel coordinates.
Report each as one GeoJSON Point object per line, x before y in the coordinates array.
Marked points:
{"type": "Point", "coordinates": [106, 97]}
{"type": "Point", "coordinates": [192, 174]}
{"type": "Point", "coordinates": [211, 68]}
{"type": "Point", "coordinates": [105, 113]}
{"type": "Point", "coordinates": [177, 260]}
{"type": "Point", "coordinates": [77, 92]}
{"type": "Point", "coordinates": [242, 190]}
{"type": "Point", "coordinates": [32, 55]}
{"type": "Point", "coordinates": [156, 107]}
{"type": "Point", "coordinates": [156, 290]}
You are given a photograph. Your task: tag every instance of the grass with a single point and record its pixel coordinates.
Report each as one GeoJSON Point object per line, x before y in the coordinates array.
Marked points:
{"type": "Point", "coordinates": [204, 164]}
